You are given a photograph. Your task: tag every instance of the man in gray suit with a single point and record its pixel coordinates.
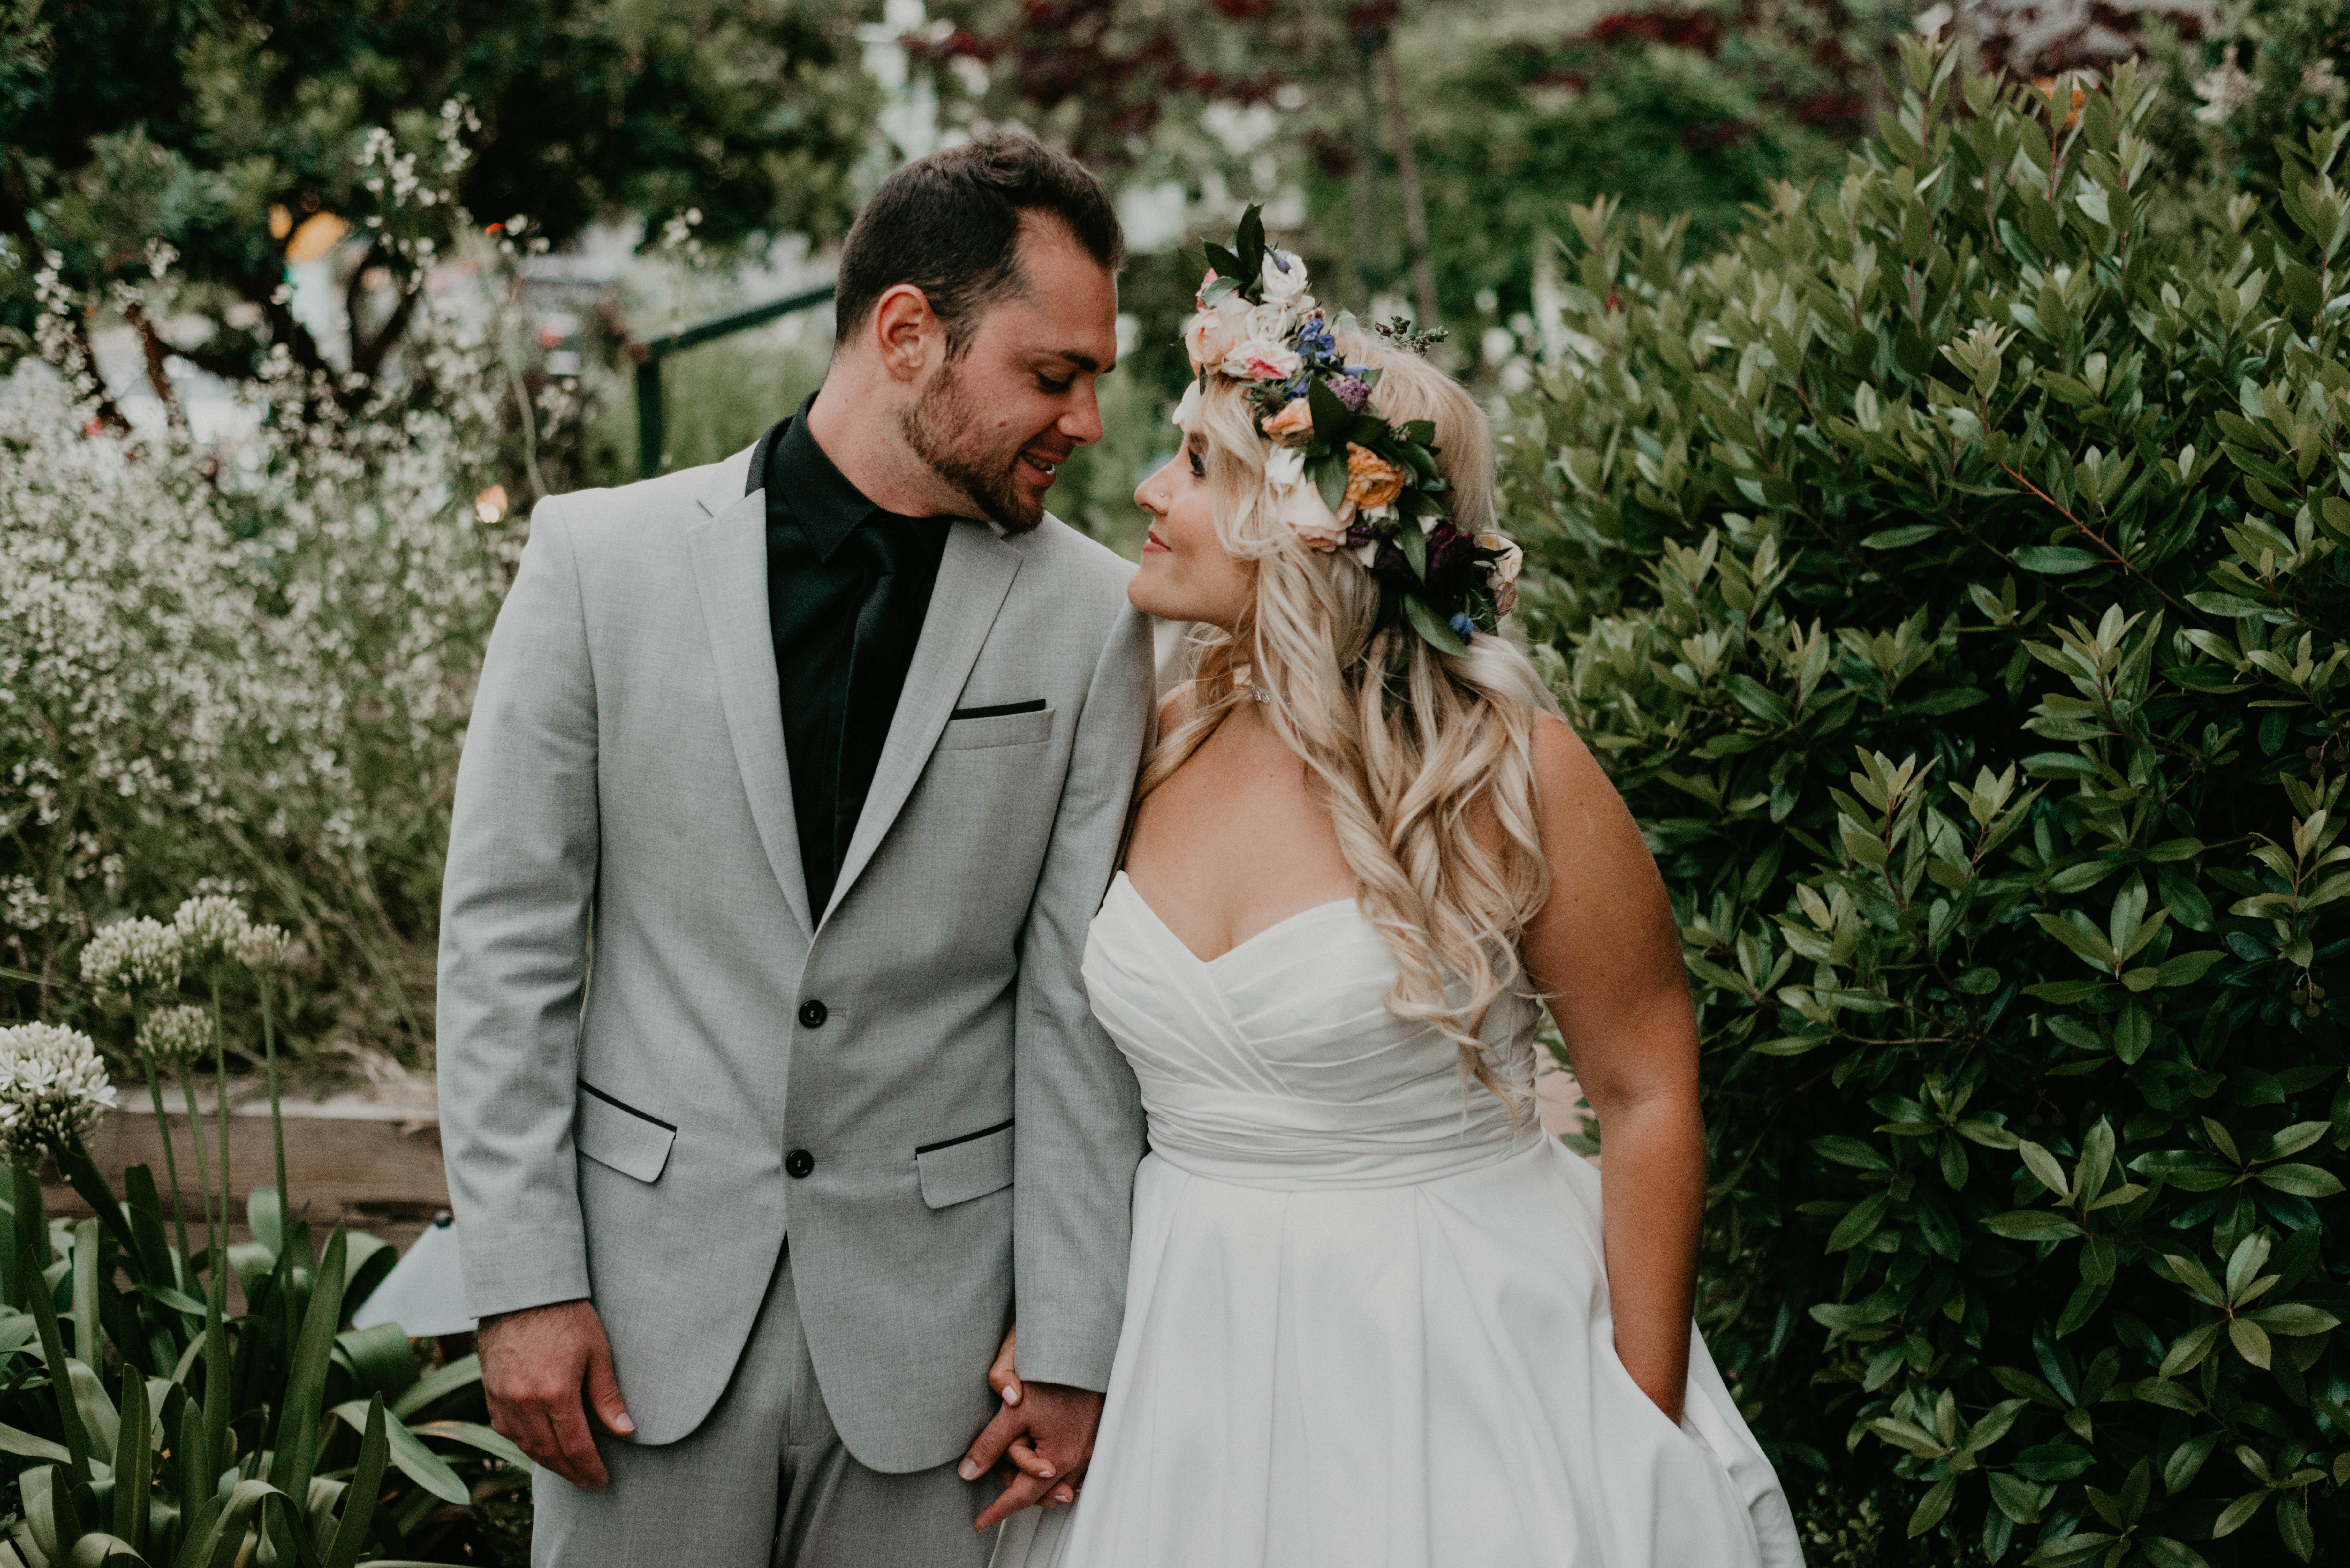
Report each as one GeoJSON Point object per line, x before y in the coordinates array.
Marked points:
{"type": "Point", "coordinates": [828, 747]}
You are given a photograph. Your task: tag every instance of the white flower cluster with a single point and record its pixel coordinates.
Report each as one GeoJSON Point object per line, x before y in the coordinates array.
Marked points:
{"type": "Point", "coordinates": [141, 955]}
{"type": "Point", "coordinates": [176, 1033]}
{"type": "Point", "coordinates": [210, 927]}
{"type": "Point", "coordinates": [53, 1089]}
{"type": "Point", "coordinates": [2225, 90]}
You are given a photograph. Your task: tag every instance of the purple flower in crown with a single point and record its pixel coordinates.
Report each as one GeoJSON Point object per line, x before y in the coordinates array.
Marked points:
{"type": "Point", "coordinates": [1450, 555]}
{"type": "Point", "coordinates": [1351, 390]}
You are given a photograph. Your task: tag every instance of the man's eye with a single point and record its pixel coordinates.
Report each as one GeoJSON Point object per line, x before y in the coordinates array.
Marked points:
{"type": "Point", "coordinates": [1199, 468]}
{"type": "Point", "coordinates": [1053, 387]}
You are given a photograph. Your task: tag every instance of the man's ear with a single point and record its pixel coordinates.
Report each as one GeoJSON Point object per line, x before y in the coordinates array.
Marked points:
{"type": "Point", "coordinates": [906, 333]}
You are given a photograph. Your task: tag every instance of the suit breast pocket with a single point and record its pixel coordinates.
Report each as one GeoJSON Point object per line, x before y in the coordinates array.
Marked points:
{"type": "Point", "coordinates": [997, 730]}
{"type": "Point", "coordinates": [622, 1137]}
{"type": "Point", "coordinates": [965, 1167]}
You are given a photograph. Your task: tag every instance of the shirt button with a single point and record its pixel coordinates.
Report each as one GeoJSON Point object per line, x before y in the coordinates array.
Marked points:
{"type": "Point", "coordinates": [798, 1163]}
{"type": "Point", "coordinates": [813, 1015]}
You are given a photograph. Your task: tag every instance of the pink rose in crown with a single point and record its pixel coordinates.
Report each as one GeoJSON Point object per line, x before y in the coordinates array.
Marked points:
{"type": "Point", "coordinates": [1215, 331]}
{"type": "Point", "coordinates": [1260, 359]}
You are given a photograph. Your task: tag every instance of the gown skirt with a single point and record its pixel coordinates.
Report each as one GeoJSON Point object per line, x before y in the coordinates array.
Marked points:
{"type": "Point", "coordinates": [1366, 1316]}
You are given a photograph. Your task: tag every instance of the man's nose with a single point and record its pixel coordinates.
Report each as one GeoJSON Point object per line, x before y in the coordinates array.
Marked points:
{"type": "Point", "coordinates": [1082, 423]}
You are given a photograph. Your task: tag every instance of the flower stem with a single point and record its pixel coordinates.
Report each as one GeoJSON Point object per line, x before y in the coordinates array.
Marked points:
{"type": "Point", "coordinates": [276, 1123]}
{"type": "Point", "coordinates": [196, 1137]}
{"type": "Point", "coordinates": [220, 1090]}
{"type": "Point", "coordinates": [162, 1127]}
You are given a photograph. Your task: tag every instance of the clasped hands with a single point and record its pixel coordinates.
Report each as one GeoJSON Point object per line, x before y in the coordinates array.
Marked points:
{"type": "Point", "coordinates": [537, 1363]}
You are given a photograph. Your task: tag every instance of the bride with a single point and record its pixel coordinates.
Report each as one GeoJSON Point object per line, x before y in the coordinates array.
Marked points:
{"type": "Point", "coordinates": [1374, 1314]}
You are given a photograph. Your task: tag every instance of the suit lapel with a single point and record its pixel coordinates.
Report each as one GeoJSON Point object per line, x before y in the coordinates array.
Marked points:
{"type": "Point", "coordinates": [730, 567]}
{"type": "Point", "coordinates": [974, 573]}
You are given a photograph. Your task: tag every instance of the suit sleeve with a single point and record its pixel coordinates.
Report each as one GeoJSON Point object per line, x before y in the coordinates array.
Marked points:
{"type": "Point", "coordinates": [1079, 1113]}
{"type": "Point", "coordinates": [522, 848]}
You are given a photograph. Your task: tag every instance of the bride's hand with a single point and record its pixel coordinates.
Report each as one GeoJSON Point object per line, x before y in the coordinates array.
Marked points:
{"type": "Point", "coordinates": [1020, 1458]}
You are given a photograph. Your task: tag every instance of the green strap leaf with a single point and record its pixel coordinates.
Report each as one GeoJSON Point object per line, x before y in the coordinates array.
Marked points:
{"type": "Point", "coordinates": [409, 1454]}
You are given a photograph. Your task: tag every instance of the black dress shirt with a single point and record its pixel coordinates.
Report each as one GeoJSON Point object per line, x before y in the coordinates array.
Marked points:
{"type": "Point", "coordinates": [847, 586]}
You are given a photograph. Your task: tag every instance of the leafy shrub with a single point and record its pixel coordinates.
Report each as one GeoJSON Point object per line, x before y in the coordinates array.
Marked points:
{"type": "Point", "coordinates": [1951, 570]}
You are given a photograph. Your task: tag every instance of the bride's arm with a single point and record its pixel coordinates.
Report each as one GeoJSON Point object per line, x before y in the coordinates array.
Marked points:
{"type": "Point", "coordinates": [1606, 955]}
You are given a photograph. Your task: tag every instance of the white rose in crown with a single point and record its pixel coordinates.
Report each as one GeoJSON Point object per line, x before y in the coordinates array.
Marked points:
{"type": "Point", "coordinates": [1189, 407]}
{"type": "Point", "coordinates": [1285, 279]}
{"type": "Point", "coordinates": [1215, 331]}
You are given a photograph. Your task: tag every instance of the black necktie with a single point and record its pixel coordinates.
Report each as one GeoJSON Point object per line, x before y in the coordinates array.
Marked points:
{"type": "Point", "coordinates": [889, 624]}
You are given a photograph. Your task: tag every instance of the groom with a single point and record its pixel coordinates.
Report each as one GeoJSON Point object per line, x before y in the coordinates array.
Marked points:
{"type": "Point", "coordinates": [822, 752]}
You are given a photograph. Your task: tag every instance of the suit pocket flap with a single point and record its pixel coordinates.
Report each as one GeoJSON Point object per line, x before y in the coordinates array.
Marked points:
{"type": "Point", "coordinates": [627, 1140]}
{"type": "Point", "coordinates": [965, 1167]}
{"type": "Point", "coordinates": [998, 730]}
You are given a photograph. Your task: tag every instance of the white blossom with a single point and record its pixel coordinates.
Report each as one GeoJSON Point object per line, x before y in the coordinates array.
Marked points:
{"type": "Point", "coordinates": [211, 927]}
{"type": "Point", "coordinates": [53, 1086]}
{"type": "Point", "coordinates": [2225, 90]}
{"type": "Point", "coordinates": [131, 955]}
{"type": "Point", "coordinates": [263, 949]}
{"type": "Point", "coordinates": [176, 1033]}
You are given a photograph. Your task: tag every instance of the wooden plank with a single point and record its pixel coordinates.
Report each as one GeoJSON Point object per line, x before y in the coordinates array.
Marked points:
{"type": "Point", "coordinates": [380, 1175]}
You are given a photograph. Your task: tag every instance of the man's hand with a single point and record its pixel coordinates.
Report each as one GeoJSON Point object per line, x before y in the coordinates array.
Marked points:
{"type": "Point", "coordinates": [1045, 1430]}
{"type": "Point", "coordinates": [535, 1363]}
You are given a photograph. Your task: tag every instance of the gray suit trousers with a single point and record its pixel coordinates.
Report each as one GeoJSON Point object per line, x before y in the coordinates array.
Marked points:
{"type": "Point", "coordinates": [764, 1481]}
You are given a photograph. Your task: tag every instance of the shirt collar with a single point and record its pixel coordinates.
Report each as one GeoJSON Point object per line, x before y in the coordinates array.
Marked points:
{"type": "Point", "coordinates": [826, 505]}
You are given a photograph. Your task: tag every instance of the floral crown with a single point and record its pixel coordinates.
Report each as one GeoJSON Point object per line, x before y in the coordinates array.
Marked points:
{"type": "Point", "coordinates": [1340, 475]}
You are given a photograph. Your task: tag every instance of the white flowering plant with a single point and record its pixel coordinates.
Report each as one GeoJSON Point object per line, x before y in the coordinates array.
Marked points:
{"type": "Point", "coordinates": [223, 1418]}
{"type": "Point", "coordinates": [242, 666]}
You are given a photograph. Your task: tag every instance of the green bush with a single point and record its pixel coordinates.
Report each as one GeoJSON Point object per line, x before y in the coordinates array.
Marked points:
{"type": "Point", "coordinates": [1951, 571]}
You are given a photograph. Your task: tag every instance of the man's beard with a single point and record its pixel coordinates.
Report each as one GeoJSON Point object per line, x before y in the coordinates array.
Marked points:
{"type": "Point", "coordinates": [943, 431]}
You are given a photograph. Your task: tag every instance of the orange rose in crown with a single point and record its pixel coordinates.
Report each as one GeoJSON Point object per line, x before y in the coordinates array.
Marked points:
{"type": "Point", "coordinates": [1294, 426]}
{"type": "Point", "coordinates": [1372, 481]}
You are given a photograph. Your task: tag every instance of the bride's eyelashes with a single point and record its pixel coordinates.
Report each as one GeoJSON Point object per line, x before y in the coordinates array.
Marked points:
{"type": "Point", "coordinates": [1199, 464]}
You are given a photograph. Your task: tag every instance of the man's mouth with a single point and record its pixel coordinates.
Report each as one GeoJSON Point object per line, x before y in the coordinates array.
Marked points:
{"type": "Point", "coordinates": [1042, 466]}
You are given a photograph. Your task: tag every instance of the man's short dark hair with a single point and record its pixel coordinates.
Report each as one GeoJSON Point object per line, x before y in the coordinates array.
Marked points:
{"type": "Point", "coordinates": [950, 225]}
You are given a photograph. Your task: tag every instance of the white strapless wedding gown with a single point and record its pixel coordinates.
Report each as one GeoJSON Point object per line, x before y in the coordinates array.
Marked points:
{"type": "Point", "coordinates": [1367, 1320]}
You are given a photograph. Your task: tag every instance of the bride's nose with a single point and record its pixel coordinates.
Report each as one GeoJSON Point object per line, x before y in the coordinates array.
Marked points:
{"type": "Point", "coordinates": [1151, 493]}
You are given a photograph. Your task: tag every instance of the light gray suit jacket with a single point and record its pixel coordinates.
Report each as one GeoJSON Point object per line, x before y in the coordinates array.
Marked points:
{"type": "Point", "coordinates": [970, 1133]}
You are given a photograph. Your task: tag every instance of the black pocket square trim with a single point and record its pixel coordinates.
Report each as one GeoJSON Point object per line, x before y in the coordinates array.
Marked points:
{"type": "Point", "coordinates": [624, 1106]}
{"type": "Point", "coordinates": [967, 1138]}
{"type": "Point", "coordinates": [1034, 705]}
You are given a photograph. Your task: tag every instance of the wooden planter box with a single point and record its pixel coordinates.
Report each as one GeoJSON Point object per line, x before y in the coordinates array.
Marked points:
{"type": "Point", "coordinates": [370, 1162]}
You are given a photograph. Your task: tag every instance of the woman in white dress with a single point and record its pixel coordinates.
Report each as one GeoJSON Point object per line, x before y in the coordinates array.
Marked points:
{"type": "Point", "coordinates": [1374, 1314]}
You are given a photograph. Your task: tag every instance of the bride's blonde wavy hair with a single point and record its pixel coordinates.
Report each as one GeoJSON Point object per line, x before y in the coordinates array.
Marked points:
{"type": "Point", "coordinates": [1410, 744]}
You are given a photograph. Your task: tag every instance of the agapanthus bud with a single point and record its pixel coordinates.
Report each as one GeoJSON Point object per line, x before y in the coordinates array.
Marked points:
{"type": "Point", "coordinates": [175, 1034]}
{"type": "Point", "coordinates": [132, 955]}
{"type": "Point", "coordinates": [263, 949]}
{"type": "Point", "coordinates": [210, 927]}
{"type": "Point", "coordinates": [53, 1086]}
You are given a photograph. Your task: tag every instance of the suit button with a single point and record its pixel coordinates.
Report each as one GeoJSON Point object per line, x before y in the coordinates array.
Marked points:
{"type": "Point", "coordinates": [813, 1015]}
{"type": "Point", "coordinates": [798, 1163]}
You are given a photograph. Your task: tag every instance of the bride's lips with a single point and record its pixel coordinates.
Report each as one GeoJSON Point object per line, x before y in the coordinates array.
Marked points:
{"type": "Point", "coordinates": [1151, 541]}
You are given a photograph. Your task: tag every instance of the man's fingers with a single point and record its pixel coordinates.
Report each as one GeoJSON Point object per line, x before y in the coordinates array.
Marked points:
{"type": "Point", "coordinates": [1000, 1376]}
{"type": "Point", "coordinates": [578, 1443]}
{"type": "Point", "coordinates": [1019, 1494]}
{"type": "Point", "coordinates": [993, 1439]}
{"type": "Point", "coordinates": [1023, 1454]}
{"type": "Point", "coordinates": [604, 1391]}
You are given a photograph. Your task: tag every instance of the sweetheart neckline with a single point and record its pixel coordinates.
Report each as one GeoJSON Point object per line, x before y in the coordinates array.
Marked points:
{"type": "Point", "coordinates": [1168, 931]}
